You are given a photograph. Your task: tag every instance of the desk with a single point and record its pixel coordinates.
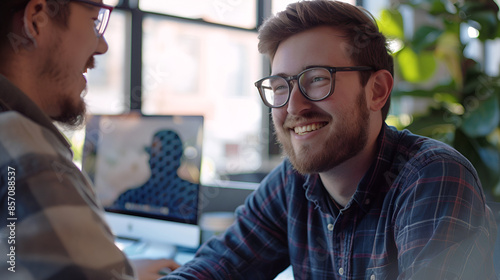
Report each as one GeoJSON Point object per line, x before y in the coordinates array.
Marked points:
{"type": "Point", "coordinates": [183, 257]}
{"type": "Point", "coordinates": [287, 274]}
{"type": "Point", "coordinates": [137, 250]}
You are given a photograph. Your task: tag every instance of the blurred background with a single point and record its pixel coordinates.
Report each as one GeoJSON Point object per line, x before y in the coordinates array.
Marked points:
{"type": "Point", "coordinates": [199, 57]}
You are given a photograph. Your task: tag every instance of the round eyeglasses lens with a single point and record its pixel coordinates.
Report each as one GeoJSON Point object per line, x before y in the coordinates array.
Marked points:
{"type": "Point", "coordinates": [275, 91]}
{"type": "Point", "coordinates": [102, 21]}
{"type": "Point", "coordinates": [316, 83]}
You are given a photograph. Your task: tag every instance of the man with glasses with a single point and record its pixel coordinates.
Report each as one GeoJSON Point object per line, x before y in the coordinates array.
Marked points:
{"type": "Point", "coordinates": [354, 198]}
{"type": "Point", "coordinates": [52, 227]}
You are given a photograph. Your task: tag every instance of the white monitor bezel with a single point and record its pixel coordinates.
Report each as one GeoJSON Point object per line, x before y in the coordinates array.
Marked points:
{"type": "Point", "coordinates": [156, 231]}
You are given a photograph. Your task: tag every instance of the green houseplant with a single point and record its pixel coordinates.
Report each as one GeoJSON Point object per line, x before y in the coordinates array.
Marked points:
{"type": "Point", "coordinates": [462, 102]}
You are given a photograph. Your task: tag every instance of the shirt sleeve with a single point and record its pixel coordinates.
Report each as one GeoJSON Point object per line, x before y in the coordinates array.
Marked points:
{"type": "Point", "coordinates": [51, 224]}
{"type": "Point", "coordinates": [443, 228]}
{"type": "Point", "coordinates": [254, 247]}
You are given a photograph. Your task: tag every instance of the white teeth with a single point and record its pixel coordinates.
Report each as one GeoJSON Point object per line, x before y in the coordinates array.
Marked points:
{"type": "Point", "coordinates": [301, 130]}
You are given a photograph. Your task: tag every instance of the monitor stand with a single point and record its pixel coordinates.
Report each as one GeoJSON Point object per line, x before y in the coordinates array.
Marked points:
{"type": "Point", "coordinates": [142, 249]}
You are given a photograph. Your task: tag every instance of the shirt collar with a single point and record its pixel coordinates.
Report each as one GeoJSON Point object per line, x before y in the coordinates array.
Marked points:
{"type": "Point", "coordinates": [377, 180]}
{"type": "Point", "coordinates": [12, 98]}
{"type": "Point", "coordinates": [372, 186]}
{"type": "Point", "coordinates": [313, 187]}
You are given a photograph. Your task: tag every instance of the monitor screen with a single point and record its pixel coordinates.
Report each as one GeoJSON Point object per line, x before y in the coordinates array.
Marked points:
{"type": "Point", "coordinates": [146, 172]}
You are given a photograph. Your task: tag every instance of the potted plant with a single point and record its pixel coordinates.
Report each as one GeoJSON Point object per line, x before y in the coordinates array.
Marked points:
{"type": "Point", "coordinates": [462, 100]}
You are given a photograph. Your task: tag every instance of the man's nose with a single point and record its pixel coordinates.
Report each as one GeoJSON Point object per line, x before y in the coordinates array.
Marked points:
{"type": "Point", "coordinates": [297, 101]}
{"type": "Point", "coordinates": [102, 46]}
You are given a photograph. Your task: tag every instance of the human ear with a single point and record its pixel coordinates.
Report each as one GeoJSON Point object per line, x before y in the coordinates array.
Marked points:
{"type": "Point", "coordinates": [34, 19]}
{"type": "Point", "coordinates": [380, 86]}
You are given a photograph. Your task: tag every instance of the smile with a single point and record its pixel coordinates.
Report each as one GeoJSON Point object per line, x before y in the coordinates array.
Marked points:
{"type": "Point", "coordinates": [302, 130]}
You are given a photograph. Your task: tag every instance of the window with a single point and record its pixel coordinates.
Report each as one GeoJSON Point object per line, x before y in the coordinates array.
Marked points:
{"type": "Point", "coordinates": [193, 57]}
{"type": "Point", "coordinates": [280, 5]}
{"type": "Point", "coordinates": [241, 13]}
{"type": "Point", "coordinates": [193, 69]}
{"type": "Point", "coordinates": [106, 88]}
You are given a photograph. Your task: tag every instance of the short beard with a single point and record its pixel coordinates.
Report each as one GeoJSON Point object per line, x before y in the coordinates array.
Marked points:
{"type": "Point", "coordinates": [71, 117]}
{"type": "Point", "coordinates": [353, 136]}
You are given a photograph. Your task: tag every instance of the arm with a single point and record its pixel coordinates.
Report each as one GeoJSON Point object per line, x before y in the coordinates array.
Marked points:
{"type": "Point", "coordinates": [58, 229]}
{"type": "Point", "coordinates": [254, 247]}
{"type": "Point", "coordinates": [443, 229]}
{"type": "Point", "coordinates": [151, 269]}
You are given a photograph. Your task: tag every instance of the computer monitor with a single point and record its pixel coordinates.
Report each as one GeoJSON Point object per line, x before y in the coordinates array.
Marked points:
{"type": "Point", "coordinates": [146, 172]}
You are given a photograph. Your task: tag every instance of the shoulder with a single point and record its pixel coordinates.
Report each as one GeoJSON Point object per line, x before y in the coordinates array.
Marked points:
{"type": "Point", "coordinates": [414, 153]}
{"type": "Point", "coordinates": [425, 171]}
{"type": "Point", "coordinates": [433, 181]}
{"type": "Point", "coordinates": [35, 153]}
{"type": "Point", "coordinates": [278, 188]}
{"type": "Point", "coordinates": [283, 176]}
{"type": "Point", "coordinates": [22, 136]}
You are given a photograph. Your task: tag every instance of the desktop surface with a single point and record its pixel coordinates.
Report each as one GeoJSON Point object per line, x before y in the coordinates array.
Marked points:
{"type": "Point", "coordinates": [140, 250]}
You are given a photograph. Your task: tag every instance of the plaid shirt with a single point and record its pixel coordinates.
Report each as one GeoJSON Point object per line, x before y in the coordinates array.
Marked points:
{"type": "Point", "coordinates": [51, 226]}
{"type": "Point", "coordinates": [418, 213]}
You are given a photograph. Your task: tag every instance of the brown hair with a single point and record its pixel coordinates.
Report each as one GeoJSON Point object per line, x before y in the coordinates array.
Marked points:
{"type": "Point", "coordinates": [367, 46]}
{"type": "Point", "coordinates": [59, 11]}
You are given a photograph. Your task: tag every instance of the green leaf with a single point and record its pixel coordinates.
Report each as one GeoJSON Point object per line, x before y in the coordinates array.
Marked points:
{"type": "Point", "coordinates": [438, 124]}
{"type": "Point", "coordinates": [390, 24]}
{"type": "Point", "coordinates": [475, 79]}
{"type": "Point", "coordinates": [448, 49]}
{"type": "Point", "coordinates": [481, 117]}
{"type": "Point", "coordinates": [424, 4]}
{"type": "Point", "coordinates": [425, 37]}
{"type": "Point", "coordinates": [483, 156]}
{"type": "Point", "coordinates": [421, 2]}
{"type": "Point", "coordinates": [488, 24]}
{"type": "Point", "coordinates": [445, 97]}
{"type": "Point", "coordinates": [416, 67]}
{"type": "Point", "coordinates": [496, 191]}
{"type": "Point", "coordinates": [416, 93]}
{"type": "Point", "coordinates": [490, 156]}
{"type": "Point", "coordinates": [471, 6]}
{"type": "Point", "coordinates": [437, 7]}
{"type": "Point", "coordinates": [445, 92]}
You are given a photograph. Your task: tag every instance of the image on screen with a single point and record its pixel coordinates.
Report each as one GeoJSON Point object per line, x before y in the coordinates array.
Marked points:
{"type": "Point", "coordinates": [146, 166]}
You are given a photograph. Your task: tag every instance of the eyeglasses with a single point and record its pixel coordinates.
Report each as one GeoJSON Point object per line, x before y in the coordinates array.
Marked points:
{"type": "Point", "coordinates": [101, 22]}
{"type": "Point", "coordinates": [315, 83]}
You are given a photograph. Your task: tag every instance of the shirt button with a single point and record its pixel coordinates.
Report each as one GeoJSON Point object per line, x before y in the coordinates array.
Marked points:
{"type": "Point", "coordinates": [341, 271]}
{"type": "Point", "coordinates": [367, 201]}
{"type": "Point", "coordinates": [330, 227]}
{"type": "Point", "coordinates": [372, 277]}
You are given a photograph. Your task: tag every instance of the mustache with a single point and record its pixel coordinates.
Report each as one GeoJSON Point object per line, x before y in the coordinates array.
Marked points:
{"type": "Point", "coordinates": [290, 121]}
{"type": "Point", "coordinates": [90, 63]}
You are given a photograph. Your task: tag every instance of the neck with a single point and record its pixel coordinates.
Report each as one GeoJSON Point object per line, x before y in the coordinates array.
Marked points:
{"type": "Point", "coordinates": [20, 70]}
{"type": "Point", "coordinates": [342, 181]}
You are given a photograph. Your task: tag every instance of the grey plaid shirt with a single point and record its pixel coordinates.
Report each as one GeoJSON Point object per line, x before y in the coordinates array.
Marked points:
{"type": "Point", "coordinates": [51, 225]}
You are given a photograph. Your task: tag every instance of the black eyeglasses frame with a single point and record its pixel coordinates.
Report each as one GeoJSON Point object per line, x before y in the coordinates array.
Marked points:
{"type": "Point", "coordinates": [101, 30]}
{"type": "Point", "coordinates": [332, 71]}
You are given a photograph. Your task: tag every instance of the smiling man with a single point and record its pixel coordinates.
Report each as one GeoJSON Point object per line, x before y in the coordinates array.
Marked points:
{"type": "Point", "coordinates": [52, 227]}
{"type": "Point", "coordinates": [354, 198]}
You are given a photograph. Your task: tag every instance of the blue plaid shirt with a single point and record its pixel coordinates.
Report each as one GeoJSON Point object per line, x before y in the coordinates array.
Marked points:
{"type": "Point", "coordinates": [51, 226]}
{"type": "Point", "coordinates": [418, 213]}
